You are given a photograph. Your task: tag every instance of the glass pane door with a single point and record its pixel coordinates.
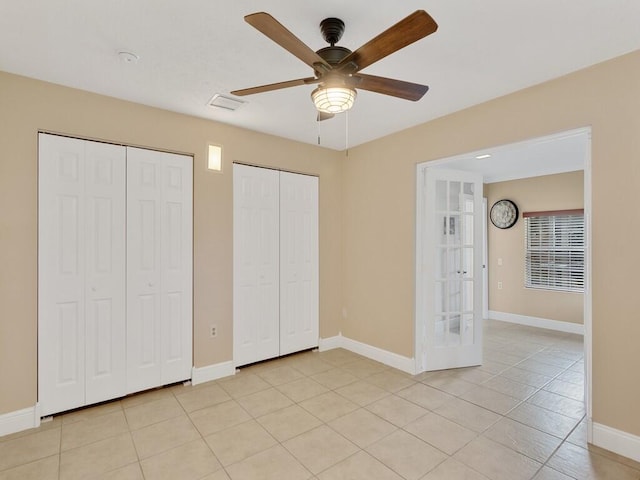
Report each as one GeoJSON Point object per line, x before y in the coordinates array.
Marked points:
{"type": "Point", "coordinates": [452, 274]}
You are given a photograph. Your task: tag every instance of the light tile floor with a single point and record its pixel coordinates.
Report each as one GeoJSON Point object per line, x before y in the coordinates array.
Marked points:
{"type": "Point", "coordinates": [337, 415]}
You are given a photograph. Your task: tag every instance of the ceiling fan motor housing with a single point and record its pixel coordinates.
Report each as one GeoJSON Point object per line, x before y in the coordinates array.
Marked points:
{"type": "Point", "coordinates": [333, 55]}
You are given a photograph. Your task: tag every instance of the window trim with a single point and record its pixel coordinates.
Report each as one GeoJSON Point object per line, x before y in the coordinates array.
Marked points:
{"type": "Point", "coordinates": [554, 213]}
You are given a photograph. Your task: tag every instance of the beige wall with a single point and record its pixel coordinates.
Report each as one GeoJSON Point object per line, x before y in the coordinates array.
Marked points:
{"type": "Point", "coordinates": [536, 194]}
{"type": "Point", "coordinates": [28, 105]}
{"type": "Point", "coordinates": [379, 211]}
{"type": "Point", "coordinates": [367, 214]}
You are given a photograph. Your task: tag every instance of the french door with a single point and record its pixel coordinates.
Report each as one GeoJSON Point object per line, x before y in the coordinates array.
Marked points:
{"type": "Point", "coordinates": [449, 269]}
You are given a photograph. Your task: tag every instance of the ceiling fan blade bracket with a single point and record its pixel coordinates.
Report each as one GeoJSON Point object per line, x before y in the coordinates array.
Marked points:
{"type": "Point", "coordinates": [353, 81]}
{"type": "Point", "coordinates": [321, 69]}
{"type": "Point", "coordinates": [348, 68]}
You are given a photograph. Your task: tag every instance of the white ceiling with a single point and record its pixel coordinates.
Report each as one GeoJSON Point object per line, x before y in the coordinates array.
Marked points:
{"type": "Point", "coordinates": [557, 153]}
{"type": "Point", "coordinates": [191, 49]}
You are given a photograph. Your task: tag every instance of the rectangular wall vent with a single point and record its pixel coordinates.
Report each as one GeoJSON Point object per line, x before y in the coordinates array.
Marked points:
{"type": "Point", "coordinates": [227, 103]}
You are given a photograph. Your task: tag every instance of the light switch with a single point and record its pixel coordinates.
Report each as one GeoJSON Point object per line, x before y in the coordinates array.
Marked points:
{"type": "Point", "coordinates": [500, 262]}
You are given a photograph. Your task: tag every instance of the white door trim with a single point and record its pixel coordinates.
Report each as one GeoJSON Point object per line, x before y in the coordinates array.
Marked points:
{"type": "Point", "coordinates": [485, 261]}
{"type": "Point", "coordinates": [588, 295]}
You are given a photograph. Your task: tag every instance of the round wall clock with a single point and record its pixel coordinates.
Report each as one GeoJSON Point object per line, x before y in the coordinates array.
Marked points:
{"type": "Point", "coordinates": [504, 214]}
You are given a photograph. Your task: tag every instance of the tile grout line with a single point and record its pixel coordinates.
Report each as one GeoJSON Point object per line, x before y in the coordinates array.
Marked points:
{"type": "Point", "coordinates": [389, 393]}
{"type": "Point", "coordinates": [565, 439]}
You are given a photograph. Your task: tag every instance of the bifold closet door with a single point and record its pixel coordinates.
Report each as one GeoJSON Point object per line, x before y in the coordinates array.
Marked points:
{"type": "Point", "coordinates": [159, 268]}
{"type": "Point", "coordinates": [256, 330]}
{"type": "Point", "coordinates": [299, 320]}
{"type": "Point", "coordinates": [275, 294]}
{"type": "Point", "coordinates": [81, 264]}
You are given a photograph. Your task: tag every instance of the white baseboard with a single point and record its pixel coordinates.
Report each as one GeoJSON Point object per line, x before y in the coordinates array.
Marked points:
{"type": "Point", "coordinates": [330, 343]}
{"type": "Point", "coordinates": [616, 441]}
{"type": "Point", "coordinates": [374, 353]}
{"type": "Point", "coordinates": [557, 325]}
{"type": "Point", "coordinates": [212, 372]}
{"type": "Point", "coordinates": [19, 420]}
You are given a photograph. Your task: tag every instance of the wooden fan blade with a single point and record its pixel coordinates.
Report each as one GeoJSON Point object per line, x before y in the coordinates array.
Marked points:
{"type": "Point", "coordinates": [275, 86]}
{"type": "Point", "coordinates": [325, 116]}
{"type": "Point", "coordinates": [389, 86]}
{"type": "Point", "coordinates": [277, 32]}
{"type": "Point", "coordinates": [414, 27]}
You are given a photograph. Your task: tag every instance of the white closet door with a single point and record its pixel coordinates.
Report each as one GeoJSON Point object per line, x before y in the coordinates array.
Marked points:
{"type": "Point", "coordinates": [105, 336]}
{"type": "Point", "coordinates": [176, 267]}
{"type": "Point", "coordinates": [80, 268]}
{"type": "Point", "coordinates": [144, 177]}
{"type": "Point", "coordinates": [159, 272]}
{"type": "Point", "coordinates": [61, 222]}
{"type": "Point", "coordinates": [256, 263]}
{"type": "Point", "coordinates": [298, 262]}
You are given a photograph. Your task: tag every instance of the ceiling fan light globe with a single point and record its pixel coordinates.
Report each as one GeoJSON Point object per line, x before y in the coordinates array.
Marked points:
{"type": "Point", "coordinates": [333, 99]}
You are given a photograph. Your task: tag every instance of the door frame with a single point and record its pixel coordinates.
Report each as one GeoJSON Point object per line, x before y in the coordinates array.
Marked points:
{"type": "Point", "coordinates": [485, 260]}
{"type": "Point", "coordinates": [588, 294]}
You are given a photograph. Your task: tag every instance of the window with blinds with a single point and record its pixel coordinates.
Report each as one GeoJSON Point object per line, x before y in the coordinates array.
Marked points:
{"type": "Point", "coordinates": [554, 245]}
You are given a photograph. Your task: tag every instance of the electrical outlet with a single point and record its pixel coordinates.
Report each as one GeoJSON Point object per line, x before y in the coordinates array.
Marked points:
{"type": "Point", "coordinates": [499, 285]}
{"type": "Point", "coordinates": [213, 331]}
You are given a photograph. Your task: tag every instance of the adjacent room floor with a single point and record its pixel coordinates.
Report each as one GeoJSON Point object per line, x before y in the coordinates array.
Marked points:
{"type": "Point", "coordinates": [337, 415]}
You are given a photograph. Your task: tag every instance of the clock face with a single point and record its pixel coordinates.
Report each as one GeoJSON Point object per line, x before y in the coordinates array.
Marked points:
{"type": "Point", "coordinates": [504, 214]}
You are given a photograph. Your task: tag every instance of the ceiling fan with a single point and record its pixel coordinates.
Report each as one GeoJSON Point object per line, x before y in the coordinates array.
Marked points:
{"type": "Point", "coordinates": [337, 69]}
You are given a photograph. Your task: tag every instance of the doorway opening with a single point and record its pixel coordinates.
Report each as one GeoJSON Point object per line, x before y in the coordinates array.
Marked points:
{"type": "Point", "coordinates": [556, 154]}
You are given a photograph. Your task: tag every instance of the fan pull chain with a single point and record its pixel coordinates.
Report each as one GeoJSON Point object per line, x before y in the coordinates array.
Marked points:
{"type": "Point", "coordinates": [346, 134]}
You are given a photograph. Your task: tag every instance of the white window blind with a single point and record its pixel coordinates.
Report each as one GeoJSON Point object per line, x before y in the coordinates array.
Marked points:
{"type": "Point", "coordinates": [554, 245]}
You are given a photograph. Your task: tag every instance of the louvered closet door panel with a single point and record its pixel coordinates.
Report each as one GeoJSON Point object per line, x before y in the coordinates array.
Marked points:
{"type": "Point", "coordinates": [144, 264]}
{"type": "Point", "coordinates": [176, 267]}
{"type": "Point", "coordinates": [61, 263]}
{"type": "Point", "coordinates": [298, 262]}
{"type": "Point", "coordinates": [105, 339]}
{"type": "Point", "coordinates": [256, 264]}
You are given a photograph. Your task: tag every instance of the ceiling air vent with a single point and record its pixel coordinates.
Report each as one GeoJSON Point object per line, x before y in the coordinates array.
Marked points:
{"type": "Point", "coordinates": [227, 103]}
